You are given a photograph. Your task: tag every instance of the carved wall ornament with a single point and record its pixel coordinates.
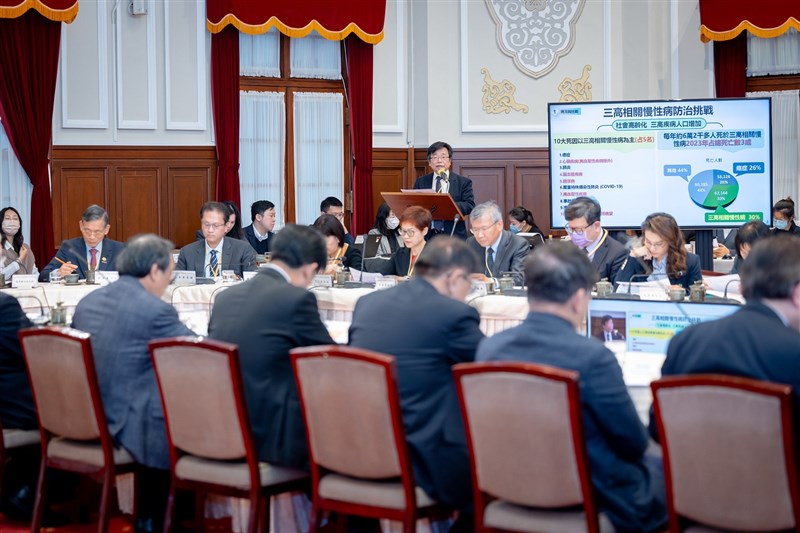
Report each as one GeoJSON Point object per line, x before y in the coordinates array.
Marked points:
{"type": "Point", "coordinates": [499, 97]}
{"type": "Point", "coordinates": [579, 90]}
{"type": "Point", "coordinates": [535, 38]}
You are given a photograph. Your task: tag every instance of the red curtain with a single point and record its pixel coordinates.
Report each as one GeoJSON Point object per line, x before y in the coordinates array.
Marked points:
{"type": "Point", "coordinates": [730, 67]}
{"type": "Point", "coordinates": [297, 18]}
{"type": "Point", "coordinates": [29, 48]}
{"type": "Point", "coordinates": [359, 95]}
{"type": "Point", "coordinates": [722, 20]}
{"type": "Point", "coordinates": [57, 10]}
{"type": "Point", "coordinates": [225, 102]}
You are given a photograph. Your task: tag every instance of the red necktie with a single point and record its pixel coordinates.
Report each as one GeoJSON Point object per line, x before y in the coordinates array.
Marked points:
{"type": "Point", "coordinates": [93, 260]}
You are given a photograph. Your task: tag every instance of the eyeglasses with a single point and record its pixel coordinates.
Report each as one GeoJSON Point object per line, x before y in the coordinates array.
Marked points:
{"type": "Point", "coordinates": [410, 232]}
{"type": "Point", "coordinates": [581, 231]}
{"type": "Point", "coordinates": [439, 157]}
{"type": "Point", "coordinates": [215, 227]}
{"type": "Point", "coordinates": [484, 229]}
{"type": "Point", "coordinates": [93, 232]}
{"type": "Point", "coordinates": [340, 215]}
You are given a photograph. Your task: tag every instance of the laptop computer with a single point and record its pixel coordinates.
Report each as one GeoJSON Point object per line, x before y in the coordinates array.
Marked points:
{"type": "Point", "coordinates": [370, 248]}
{"type": "Point", "coordinates": [534, 239]}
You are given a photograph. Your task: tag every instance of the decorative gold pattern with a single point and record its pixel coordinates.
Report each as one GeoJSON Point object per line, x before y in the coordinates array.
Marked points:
{"type": "Point", "coordinates": [579, 90]}
{"type": "Point", "coordinates": [499, 97]}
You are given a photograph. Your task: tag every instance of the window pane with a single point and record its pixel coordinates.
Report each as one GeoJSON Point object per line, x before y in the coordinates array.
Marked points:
{"type": "Point", "coordinates": [262, 142]}
{"type": "Point", "coordinates": [318, 151]}
{"type": "Point", "coordinates": [259, 55]}
{"type": "Point", "coordinates": [314, 56]}
{"type": "Point", "coordinates": [15, 187]}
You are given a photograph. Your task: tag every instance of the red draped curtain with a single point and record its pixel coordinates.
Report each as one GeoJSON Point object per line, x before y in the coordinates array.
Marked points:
{"type": "Point", "coordinates": [725, 21]}
{"type": "Point", "coordinates": [29, 48]}
{"type": "Point", "coordinates": [358, 22]}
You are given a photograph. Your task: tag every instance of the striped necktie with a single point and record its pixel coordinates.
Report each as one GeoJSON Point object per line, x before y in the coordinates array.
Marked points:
{"type": "Point", "coordinates": [214, 264]}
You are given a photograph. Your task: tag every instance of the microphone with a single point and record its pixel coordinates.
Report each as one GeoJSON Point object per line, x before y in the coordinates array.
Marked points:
{"type": "Point", "coordinates": [360, 283]}
{"type": "Point", "coordinates": [42, 319]}
{"type": "Point", "coordinates": [628, 295]}
{"type": "Point", "coordinates": [211, 297]}
{"type": "Point", "coordinates": [725, 294]}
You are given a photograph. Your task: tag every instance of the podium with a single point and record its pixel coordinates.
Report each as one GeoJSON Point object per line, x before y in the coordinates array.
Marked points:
{"type": "Point", "coordinates": [440, 204]}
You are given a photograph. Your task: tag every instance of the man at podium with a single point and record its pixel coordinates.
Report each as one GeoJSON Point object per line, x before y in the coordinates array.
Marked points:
{"type": "Point", "coordinates": [440, 156]}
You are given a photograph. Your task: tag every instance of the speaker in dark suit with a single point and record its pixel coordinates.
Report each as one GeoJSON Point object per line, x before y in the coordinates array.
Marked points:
{"type": "Point", "coordinates": [500, 250]}
{"type": "Point", "coordinates": [267, 316]}
{"type": "Point", "coordinates": [440, 156]}
{"type": "Point", "coordinates": [92, 251]}
{"type": "Point", "coordinates": [427, 327]}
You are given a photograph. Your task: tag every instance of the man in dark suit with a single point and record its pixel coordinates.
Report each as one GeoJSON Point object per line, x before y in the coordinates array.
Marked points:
{"type": "Point", "coordinates": [501, 250]}
{"type": "Point", "coordinates": [16, 399]}
{"type": "Point", "coordinates": [259, 232]}
{"type": "Point", "coordinates": [629, 484]}
{"type": "Point", "coordinates": [216, 252]}
{"type": "Point", "coordinates": [122, 318]}
{"type": "Point", "coordinates": [585, 231]}
{"type": "Point", "coordinates": [334, 207]}
{"type": "Point", "coordinates": [607, 332]}
{"type": "Point", "coordinates": [440, 156]}
{"type": "Point", "coordinates": [760, 341]}
{"type": "Point", "coordinates": [267, 316]}
{"type": "Point", "coordinates": [427, 326]}
{"type": "Point", "coordinates": [90, 252]}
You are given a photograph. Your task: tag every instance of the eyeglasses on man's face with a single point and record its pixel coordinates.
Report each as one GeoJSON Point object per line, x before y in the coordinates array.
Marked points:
{"type": "Point", "coordinates": [215, 227]}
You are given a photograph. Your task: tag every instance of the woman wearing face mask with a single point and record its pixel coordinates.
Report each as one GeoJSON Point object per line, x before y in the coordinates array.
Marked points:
{"type": "Point", "coordinates": [661, 255]}
{"type": "Point", "coordinates": [520, 220]}
{"type": "Point", "coordinates": [16, 257]}
{"type": "Point", "coordinates": [387, 224]}
{"type": "Point", "coordinates": [783, 218]}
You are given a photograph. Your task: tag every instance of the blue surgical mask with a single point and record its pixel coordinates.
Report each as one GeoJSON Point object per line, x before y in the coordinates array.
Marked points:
{"type": "Point", "coordinates": [514, 229]}
{"type": "Point", "coordinates": [781, 224]}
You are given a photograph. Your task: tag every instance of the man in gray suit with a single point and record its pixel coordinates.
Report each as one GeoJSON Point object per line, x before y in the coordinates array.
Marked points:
{"type": "Point", "coordinates": [122, 318]}
{"type": "Point", "coordinates": [216, 252]}
{"type": "Point", "coordinates": [500, 250]}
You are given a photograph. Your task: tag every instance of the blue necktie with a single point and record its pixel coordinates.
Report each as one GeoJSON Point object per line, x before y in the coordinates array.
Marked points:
{"type": "Point", "coordinates": [214, 265]}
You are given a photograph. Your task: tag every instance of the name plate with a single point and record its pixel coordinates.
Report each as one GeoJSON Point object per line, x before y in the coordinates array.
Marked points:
{"type": "Point", "coordinates": [184, 277]}
{"type": "Point", "coordinates": [653, 293]}
{"type": "Point", "coordinates": [248, 275]}
{"type": "Point", "coordinates": [478, 289]}
{"type": "Point", "coordinates": [24, 281]}
{"type": "Point", "coordinates": [322, 280]}
{"type": "Point", "coordinates": [104, 277]}
{"type": "Point", "coordinates": [385, 283]}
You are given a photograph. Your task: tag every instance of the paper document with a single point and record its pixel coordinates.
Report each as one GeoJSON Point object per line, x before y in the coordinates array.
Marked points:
{"type": "Point", "coordinates": [368, 277]}
{"type": "Point", "coordinates": [718, 283]}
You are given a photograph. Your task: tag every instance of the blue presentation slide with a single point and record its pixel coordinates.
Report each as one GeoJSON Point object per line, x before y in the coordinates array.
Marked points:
{"type": "Point", "coordinates": [706, 162]}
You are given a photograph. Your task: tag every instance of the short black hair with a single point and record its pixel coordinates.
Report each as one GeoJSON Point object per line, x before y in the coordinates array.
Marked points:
{"type": "Point", "coordinates": [605, 319]}
{"type": "Point", "coordinates": [142, 252]}
{"type": "Point", "coordinates": [95, 212]}
{"type": "Point", "coordinates": [329, 226]}
{"type": "Point", "coordinates": [771, 270]}
{"type": "Point", "coordinates": [555, 272]}
{"type": "Point", "coordinates": [258, 208]}
{"type": "Point", "coordinates": [327, 203]}
{"type": "Point", "coordinates": [520, 214]}
{"type": "Point", "coordinates": [216, 206]}
{"type": "Point", "coordinates": [297, 246]}
{"type": "Point", "coordinates": [438, 145]}
{"type": "Point", "coordinates": [784, 207]}
{"type": "Point", "coordinates": [749, 233]}
{"type": "Point", "coordinates": [443, 254]}
{"type": "Point", "coordinates": [583, 206]}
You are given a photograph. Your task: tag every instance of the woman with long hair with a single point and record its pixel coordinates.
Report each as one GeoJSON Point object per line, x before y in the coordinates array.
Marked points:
{"type": "Point", "coordinates": [16, 256]}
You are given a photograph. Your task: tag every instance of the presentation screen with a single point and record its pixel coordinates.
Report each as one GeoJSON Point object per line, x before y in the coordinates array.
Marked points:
{"type": "Point", "coordinates": [706, 162]}
{"type": "Point", "coordinates": [647, 326]}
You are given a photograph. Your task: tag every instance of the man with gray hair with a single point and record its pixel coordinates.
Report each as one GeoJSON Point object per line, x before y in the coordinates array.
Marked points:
{"type": "Point", "coordinates": [122, 318]}
{"type": "Point", "coordinates": [500, 250]}
{"type": "Point", "coordinates": [92, 251]}
{"type": "Point", "coordinates": [629, 484]}
{"type": "Point", "coordinates": [585, 232]}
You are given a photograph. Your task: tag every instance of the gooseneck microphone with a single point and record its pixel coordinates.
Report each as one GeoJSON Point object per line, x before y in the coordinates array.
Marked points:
{"type": "Point", "coordinates": [360, 283]}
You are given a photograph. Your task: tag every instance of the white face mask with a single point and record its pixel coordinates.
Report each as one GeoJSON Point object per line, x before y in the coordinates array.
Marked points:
{"type": "Point", "coordinates": [10, 228]}
{"type": "Point", "coordinates": [392, 222]}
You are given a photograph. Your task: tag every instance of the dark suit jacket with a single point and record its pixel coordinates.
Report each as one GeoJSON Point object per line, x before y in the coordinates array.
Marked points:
{"type": "Point", "coordinates": [124, 370]}
{"type": "Point", "coordinates": [630, 488]}
{"type": "Point", "coordinates": [615, 335]}
{"type": "Point", "coordinates": [398, 264]}
{"type": "Point", "coordinates": [461, 191]}
{"type": "Point", "coordinates": [608, 258]}
{"type": "Point", "coordinates": [237, 255]}
{"type": "Point", "coordinates": [16, 399]}
{"type": "Point", "coordinates": [261, 247]}
{"type": "Point", "coordinates": [510, 256]}
{"type": "Point", "coordinates": [74, 250]}
{"type": "Point", "coordinates": [752, 342]}
{"type": "Point", "coordinates": [632, 267]}
{"type": "Point", "coordinates": [267, 316]}
{"type": "Point", "coordinates": [427, 333]}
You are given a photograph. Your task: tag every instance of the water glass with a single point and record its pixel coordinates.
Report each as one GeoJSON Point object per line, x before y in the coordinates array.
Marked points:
{"type": "Point", "coordinates": [55, 277]}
